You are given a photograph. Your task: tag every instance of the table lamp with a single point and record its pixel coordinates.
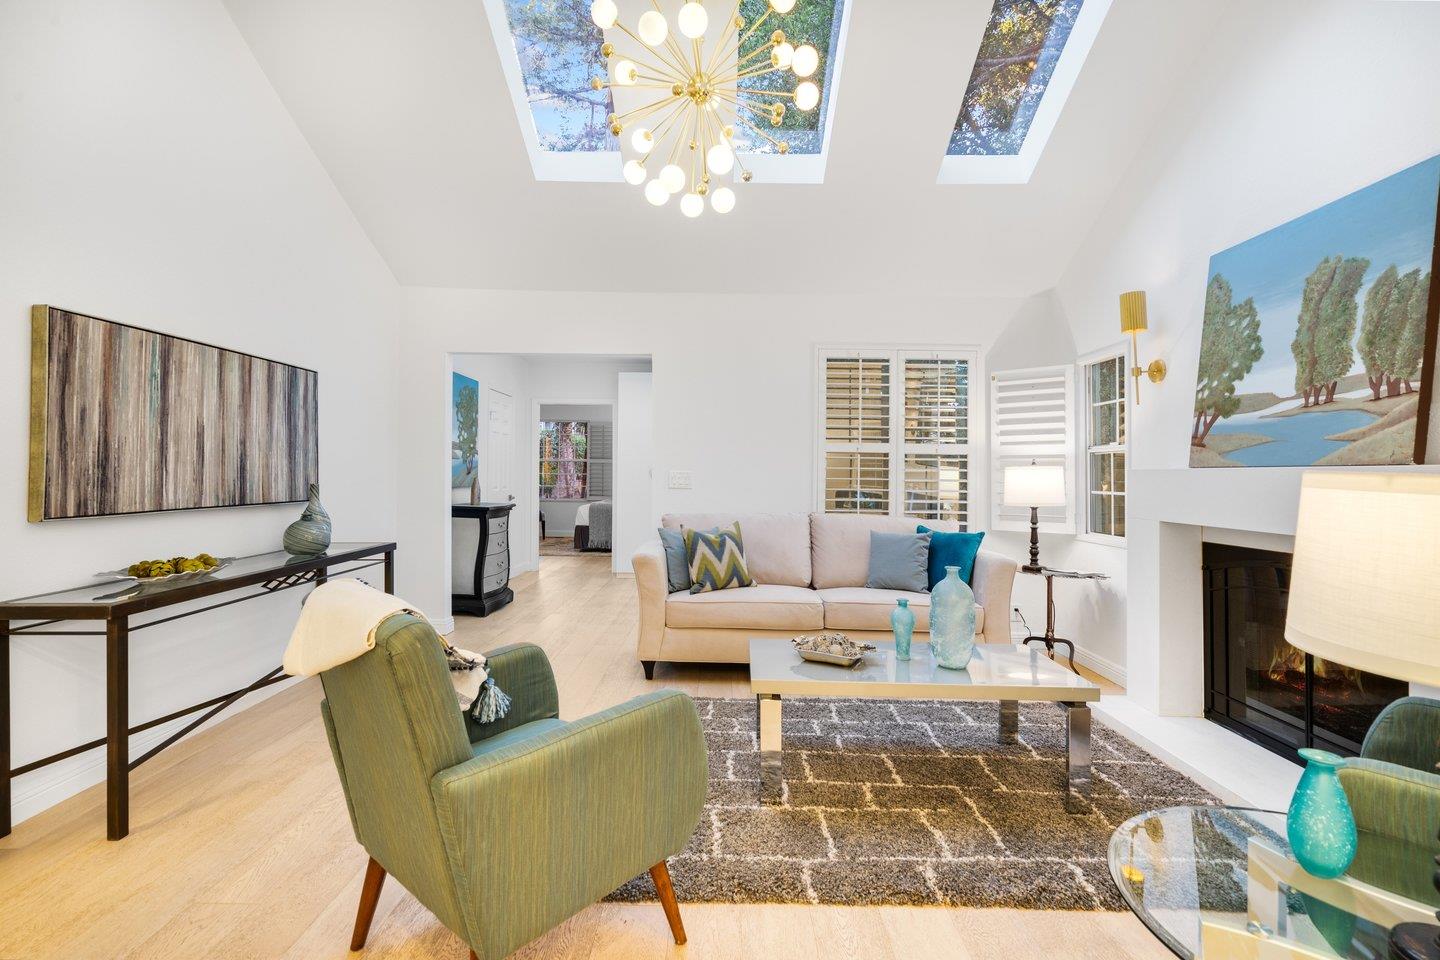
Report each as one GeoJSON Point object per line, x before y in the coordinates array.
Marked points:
{"type": "Point", "coordinates": [1365, 593]}
{"type": "Point", "coordinates": [1035, 485]}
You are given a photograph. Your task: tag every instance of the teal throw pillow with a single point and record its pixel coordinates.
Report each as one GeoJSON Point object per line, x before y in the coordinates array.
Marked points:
{"type": "Point", "coordinates": [951, 550]}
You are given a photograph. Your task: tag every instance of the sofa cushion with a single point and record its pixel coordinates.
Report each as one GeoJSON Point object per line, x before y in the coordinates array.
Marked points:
{"type": "Point", "coordinates": [840, 545]}
{"type": "Point", "coordinates": [777, 545]}
{"type": "Point", "coordinates": [951, 550]}
{"type": "Point", "coordinates": [766, 606]}
{"type": "Point", "coordinates": [861, 608]}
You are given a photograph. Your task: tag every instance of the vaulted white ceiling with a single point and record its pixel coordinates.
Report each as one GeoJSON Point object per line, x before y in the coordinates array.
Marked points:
{"type": "Point", "coordinates": [407, 107]}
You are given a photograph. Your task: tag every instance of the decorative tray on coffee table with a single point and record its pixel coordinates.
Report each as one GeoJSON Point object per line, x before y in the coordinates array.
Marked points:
{"type": "Point", "coordinates": [832, 648]}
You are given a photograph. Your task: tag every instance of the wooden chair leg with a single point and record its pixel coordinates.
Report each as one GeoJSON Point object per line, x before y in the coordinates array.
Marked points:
{"type": "Point", "coordinates": [660, 873]}
{"type": "Point", "coordinates": [369, 897]}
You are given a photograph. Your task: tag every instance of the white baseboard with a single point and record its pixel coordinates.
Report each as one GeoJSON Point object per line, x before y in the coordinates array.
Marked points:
{"type": "Point", "coordinates": [1108, 669]}
{"type": "Point", "coordinates": [38, 791]}
{"type": "Point", "coordinates": [443, 625]}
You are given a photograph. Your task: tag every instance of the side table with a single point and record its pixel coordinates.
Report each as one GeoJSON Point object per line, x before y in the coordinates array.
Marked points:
{"type": "Point", "coordinates": [1049, 639]}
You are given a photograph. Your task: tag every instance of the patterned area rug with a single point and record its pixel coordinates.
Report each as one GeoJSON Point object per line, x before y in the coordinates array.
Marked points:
{"type": "Point", "coordinates": [911, 802]}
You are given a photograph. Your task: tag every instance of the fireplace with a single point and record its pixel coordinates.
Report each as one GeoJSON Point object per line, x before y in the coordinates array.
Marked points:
{"type": "Point", "coordinates": [1261, 687]}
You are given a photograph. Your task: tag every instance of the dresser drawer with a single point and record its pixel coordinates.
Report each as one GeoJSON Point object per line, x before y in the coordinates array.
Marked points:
{"type": "Point", "coordinates": [496, 565]}
{"type": "Point", "coordinates": [497, 544]}
{"type": "Point", "coordinates": [499, 524]}
{"type": "Point", "coordinates": [494, 582]}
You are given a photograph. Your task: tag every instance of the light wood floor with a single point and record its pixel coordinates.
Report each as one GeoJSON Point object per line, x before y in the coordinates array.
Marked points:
{"type": "Point", "coordinates": [240, 845]}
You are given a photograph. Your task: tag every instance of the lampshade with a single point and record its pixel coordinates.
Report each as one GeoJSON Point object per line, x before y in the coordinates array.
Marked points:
{"type": "Point", "coordinates": [1365, 582]}
{"type": "Point", "coordinates": [1035, 485]}
{"type": "Point", "coordinates": [1133, 318]}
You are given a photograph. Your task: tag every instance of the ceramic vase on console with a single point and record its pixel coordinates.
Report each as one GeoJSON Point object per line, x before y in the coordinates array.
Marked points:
{"type": "Point", "coordinates": [310, 534]}
{"type": "Point", "coordinates": [902, 625]}
{"type": "Point", "coordinates": [1320, 825]}
{"type": "Point", "coordinates": [952, 621]}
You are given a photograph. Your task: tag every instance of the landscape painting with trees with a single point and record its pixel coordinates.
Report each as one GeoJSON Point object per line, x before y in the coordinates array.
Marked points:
{"type": "Point", "coordinates": [1313, 338]}
{"type": "Point", "coordinates": [464, 431]}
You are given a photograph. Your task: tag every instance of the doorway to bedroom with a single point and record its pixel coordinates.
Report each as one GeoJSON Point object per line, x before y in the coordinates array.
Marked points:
{"type": "Point", "coordinates": [575, 464]}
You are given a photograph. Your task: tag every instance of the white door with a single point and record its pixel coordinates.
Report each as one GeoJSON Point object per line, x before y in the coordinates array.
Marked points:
{"type": "Point", "coordinates": [500, 448]}
{"type": "Point", "coordinates": [634, 457]}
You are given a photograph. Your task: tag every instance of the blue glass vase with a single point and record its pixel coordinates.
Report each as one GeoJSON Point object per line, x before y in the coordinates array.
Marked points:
{"type": "Point", "coordinates": [902, 624]}
{"type": "Point", "coordinates": [952, 621]}
{"type": "Point", "coordinates": [1320, 826]}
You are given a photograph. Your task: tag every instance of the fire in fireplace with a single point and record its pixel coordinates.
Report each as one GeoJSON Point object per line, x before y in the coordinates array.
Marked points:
{"type": "Point", "coordinates": [1259, 685]}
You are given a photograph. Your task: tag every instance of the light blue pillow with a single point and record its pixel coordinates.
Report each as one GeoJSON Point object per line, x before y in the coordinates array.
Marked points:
{"type": "Point", "coordinates": [899, 561]}
{"type": "Point", "coordinates": [677, 569]}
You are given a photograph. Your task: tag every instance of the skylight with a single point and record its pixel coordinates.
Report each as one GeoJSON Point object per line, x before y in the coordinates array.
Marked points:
{"type": "Point", "coordinates": [550, 49]}
{"type": "Point", "coordinates": [1029, 58]}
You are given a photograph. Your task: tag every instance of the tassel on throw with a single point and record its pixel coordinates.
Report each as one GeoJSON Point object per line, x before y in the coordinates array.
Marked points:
{"type": "Point", "coordinates": [492, 703]}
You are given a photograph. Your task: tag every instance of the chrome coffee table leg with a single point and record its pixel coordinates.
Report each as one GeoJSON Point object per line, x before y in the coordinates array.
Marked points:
{"type": "Point", "coordinates": [1077, 737]}
{"type": "Point", "coordinates": [1009, 721]}
{"type": "Point", "coordinates": [767, 705]}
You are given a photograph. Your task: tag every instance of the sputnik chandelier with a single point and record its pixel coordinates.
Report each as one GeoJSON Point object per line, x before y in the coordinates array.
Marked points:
{"type": "Point", "coordinates": [684, 139]}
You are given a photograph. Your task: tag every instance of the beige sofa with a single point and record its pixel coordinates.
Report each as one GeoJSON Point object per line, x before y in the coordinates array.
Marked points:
{"type": "Point", "coordinates": [809, 571]}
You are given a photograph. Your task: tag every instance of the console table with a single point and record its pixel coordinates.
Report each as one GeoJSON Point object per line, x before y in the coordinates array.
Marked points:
{"type": "Point", "coordinates": [115, 602]}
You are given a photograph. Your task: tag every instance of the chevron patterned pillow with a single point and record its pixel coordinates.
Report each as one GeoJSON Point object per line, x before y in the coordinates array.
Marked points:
{"type": "Point", "coordinates": [716, 559]}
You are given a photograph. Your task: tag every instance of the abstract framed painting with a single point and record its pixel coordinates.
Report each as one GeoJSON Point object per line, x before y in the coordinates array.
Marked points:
{"type": "Point", "coordinates": [1318, 337]}
{"type": "Point", "coordinates": [126, 420]}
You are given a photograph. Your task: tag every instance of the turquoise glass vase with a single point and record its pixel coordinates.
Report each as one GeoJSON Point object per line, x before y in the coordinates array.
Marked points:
{"type": "Point", "coordinates": [952, 621]}
{"type": "Point", "coordinates": [902, 624]}
{"type": "Point", "coordinates": [1320, 826]}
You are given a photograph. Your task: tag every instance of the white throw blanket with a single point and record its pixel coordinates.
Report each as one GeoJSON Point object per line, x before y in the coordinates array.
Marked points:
{"type": "Point", "coordinates": [338, 623]}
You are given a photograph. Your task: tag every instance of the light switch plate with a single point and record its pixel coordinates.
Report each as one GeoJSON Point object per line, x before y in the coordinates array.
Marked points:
{"type": "Point", "coordinates": [679, 480]}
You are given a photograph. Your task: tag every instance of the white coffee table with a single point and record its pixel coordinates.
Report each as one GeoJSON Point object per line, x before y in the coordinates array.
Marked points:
{"type": "Point", "coordinates": [1002, 672]}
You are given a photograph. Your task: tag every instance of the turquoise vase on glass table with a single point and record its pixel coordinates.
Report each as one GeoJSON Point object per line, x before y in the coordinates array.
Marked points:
{"type": "Point", "coordinates": [952, 621]}
{"type": "Point", "coordinates": [1320, 825]}
{"type": "Point", "coordinates": [902, 624]}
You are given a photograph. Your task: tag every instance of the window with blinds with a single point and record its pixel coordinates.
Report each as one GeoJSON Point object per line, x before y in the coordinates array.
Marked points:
{"type": "Point", "coordinates": [896, 433]}
{"type": "Point", "coordinates": [1032, 420]}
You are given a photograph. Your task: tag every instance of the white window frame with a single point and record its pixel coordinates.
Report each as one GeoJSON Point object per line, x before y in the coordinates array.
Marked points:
{"type": "Point", "coordinates": [975, 450]}
{"type": "Point", "coordinates": [1121, 351]}
{"type": "Point", "coordinates": [1033, 430]}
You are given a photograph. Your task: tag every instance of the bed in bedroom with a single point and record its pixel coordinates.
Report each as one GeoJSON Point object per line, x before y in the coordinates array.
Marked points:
{"type": "Point", "coordinates": [593, 524]}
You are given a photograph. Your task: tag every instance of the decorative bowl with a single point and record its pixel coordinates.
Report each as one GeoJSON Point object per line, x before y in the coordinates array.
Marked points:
{"type": "Point", "coordinates": [221, 564]}
{"type": "Point", "coordinates": [832, 648]}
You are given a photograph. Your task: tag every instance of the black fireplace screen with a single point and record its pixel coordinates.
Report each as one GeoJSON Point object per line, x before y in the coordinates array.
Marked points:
{"type": "Point", "coordinates": [1261, 686]}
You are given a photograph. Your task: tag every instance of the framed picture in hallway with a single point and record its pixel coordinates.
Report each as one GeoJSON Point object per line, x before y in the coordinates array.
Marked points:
{"type": "Point", "coordinates": [127, 420]}
{"type": "Point", "coordinates": [1318, 338]}
{"type": "Point", "coordinates": [464, 437]}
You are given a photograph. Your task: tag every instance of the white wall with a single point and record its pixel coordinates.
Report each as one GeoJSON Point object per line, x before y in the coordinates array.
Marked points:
{"type": "Point", "coordinates": [149, 174]}
{"type": "Point", "coordinates": [734, 387]}
{"type": "Point", "coordinates": [1284, 112]}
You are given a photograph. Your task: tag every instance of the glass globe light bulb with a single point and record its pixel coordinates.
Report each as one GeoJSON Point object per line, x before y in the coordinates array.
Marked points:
{"type": "Point", "coordinates": [653, 28]}
{"type": "Point", "coordinates": [723, 200]}
{"type": "Point", "coordinates": [626, 73]}
{"type": "Point", "coordinates": [720, 158]}
{"type": "Point", "coordinates": [692, 205]}
{"type": "Point", "coordinates": [604, 13]}
{"type": "Point", "coordinates": [634, 172]}
{"type": "Point", "coordinates": [693, 21]}
{"type": "Point", "coordinates": [806, 59]}
{"type": "Point", "coordinates": [656, 193]}
{"type": "Point", "coordinates": [807, 96]}
{"type": "Point", "coordinates": [642, 140]}
{"type": "Point", "coordinates": [672, 178]}
{"type": "Point", "coordinates": [782, 55]}
{"type": "Point", "coordinates": [782, 6]}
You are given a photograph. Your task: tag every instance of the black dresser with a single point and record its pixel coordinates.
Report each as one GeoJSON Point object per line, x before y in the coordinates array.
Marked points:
{"type": "Point", "coordinates": [480, 557]}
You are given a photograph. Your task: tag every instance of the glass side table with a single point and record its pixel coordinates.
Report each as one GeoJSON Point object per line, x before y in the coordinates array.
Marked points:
{"type": "Point", "coordinates": [1208, 880]}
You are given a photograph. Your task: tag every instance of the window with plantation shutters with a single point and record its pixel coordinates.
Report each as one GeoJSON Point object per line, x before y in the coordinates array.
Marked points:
{"type": "Point", "coordinates": [1032, 420]}
{"type": "Point", "coordinates": [895, 433]}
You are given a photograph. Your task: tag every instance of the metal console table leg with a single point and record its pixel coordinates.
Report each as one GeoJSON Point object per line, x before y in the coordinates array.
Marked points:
{"type": "Point", "coordinates": [767, 706]}
{"type": "Point", "coordinates": [1077, 774]}
{"type": "Point", "coordinates": [117, 728]}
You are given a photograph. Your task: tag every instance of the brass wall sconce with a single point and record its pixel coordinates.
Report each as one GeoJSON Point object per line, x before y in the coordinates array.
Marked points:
{"type": "Point", "coordinates": [1133, 320]}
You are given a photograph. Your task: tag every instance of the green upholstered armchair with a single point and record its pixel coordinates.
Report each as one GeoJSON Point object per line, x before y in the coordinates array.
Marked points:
{"type": "Point", "coordinates": [1394, 791]}
{"type": "Point", "coordinates": [506, 829]}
